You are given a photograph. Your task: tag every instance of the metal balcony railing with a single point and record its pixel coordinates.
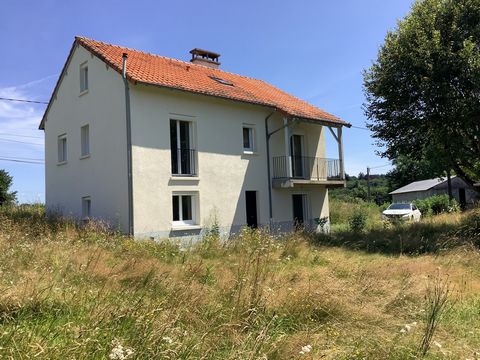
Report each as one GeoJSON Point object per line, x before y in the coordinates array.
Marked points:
{"type": "Point", "coordinates": [184, 162]}
{"type": "Point", "coordinates": [306, 168]}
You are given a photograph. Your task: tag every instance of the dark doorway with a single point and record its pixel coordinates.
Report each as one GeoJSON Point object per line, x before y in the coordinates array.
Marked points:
{"type": "Point", "coordinates": [251, 202]}
{"type": "Point", "coordinates": [462, 197]}
{"type": "Point", "coordinates": [298, 210]}
{"type": "Point", "coordinates": [296, 146]}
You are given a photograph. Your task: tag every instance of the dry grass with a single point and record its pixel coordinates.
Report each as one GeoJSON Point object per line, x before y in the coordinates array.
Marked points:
{"type": "Point", "coordinates": [70, 293]}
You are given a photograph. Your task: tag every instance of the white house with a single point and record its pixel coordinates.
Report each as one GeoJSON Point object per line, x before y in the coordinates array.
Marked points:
{"type": "Point", "coordinates": [159, 147]}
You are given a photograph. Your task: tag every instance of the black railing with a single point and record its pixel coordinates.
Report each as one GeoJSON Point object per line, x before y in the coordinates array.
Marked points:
{"type": "Point", "coordinates": [184, 162]}
{"type": "Point", "coordinates": [306, 168]}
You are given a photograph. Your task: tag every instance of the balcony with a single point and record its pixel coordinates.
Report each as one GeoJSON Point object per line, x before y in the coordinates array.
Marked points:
{"type": "Point", "coordinates": [184, 162]}
{"type": "Point", "coordinates": [289, 171]}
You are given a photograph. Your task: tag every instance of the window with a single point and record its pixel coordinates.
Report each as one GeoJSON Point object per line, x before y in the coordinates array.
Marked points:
{"type": "Point", "coordinates": [62, 148]}
{"type": "Point", "coordinates": [248, 144]}
{"type": "Point", "coordinates": [183, 206]}
{"type": "Point", "coordinates": [86, 207]}
{"type": "Point", "coordinates": [83, 78]}
{"type": "Point", "coordinates": [85, 140]}
{"type": "Point", "coordinates": [182, 155]}
{"type": "Point", "coordinates": [221, 81]}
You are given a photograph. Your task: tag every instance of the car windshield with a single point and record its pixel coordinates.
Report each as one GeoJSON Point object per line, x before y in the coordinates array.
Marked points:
{"type": "Point", "coordinates": [399, 207]}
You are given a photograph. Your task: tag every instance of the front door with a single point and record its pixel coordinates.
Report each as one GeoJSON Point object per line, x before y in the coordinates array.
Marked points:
{"type": "Point", "coordinates": [298, 210]}
{"type": "Point", "coordinates": [251, 205]}
{"type": "Point", "coordinates": [296, 152]}
{"type": "Point", "coordinates": [462, 197]}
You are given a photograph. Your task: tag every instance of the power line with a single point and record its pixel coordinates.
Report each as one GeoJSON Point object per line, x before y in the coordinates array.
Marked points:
{"type": "Point", "coordinates": [360, 128]}
{"type": "Point", "coordinates": [19, 135]}
{"type": "Point", "coordinates": [25, 101]}
{"type": "Point", "coordinates": [20, 142]}
{"type": "Point", "coordinates": [22, 158]}
{"type": "Point", "coordinates": [22, 161]}
{"type": "Point", "coordinates": [380, 166]}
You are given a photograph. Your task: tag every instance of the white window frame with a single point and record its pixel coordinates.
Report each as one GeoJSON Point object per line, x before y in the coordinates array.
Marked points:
{"type": "Point", "coordinates": [191, 136]}
{"type": "Point", "coordinates": [86, 207]}
{"type": "Point", "coordinates": [85, 141]}
{"type": "Point", "coordinates": [251, 138]}
{"type": "Point", "coordinates": [62, 149]}
{"type": "Point", "coordinates": [194, 204]}
{"type": "Point", "coordinates": [84, 78]}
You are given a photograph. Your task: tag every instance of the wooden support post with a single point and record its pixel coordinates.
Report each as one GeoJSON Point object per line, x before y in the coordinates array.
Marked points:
{"type": "Point", "coordinates": [288, 156]}
{"type": "Point", "coordinates": [340, 152]}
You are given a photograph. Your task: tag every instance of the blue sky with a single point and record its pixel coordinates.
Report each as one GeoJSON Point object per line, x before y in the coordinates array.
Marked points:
{"type": "Point", "coordinates": [314, 49]}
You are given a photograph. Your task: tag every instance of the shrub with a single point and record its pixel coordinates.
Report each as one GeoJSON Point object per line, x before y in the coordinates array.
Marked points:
{"type": "Point", "coordinates": [358, 221]}
{"type": "Point", "coordinates": [341, 212]}
{"type": "Point", "coordinates": [437, 204]}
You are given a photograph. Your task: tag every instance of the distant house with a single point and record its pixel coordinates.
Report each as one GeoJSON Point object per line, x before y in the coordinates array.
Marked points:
{"type": "Point", "coordinates": [464, 193]}
{"type": "Point", "coordinates": [159, 147]}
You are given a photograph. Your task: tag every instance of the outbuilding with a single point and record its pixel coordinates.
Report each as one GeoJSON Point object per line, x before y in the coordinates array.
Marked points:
{"type": "Point", "coordinates": [464, 193]}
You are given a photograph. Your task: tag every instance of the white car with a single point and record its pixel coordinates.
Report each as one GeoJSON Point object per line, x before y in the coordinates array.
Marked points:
{"type": "Point", "coordinates": [402, 211]}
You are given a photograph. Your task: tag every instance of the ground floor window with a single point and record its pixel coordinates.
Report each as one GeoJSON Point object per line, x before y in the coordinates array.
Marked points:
{"type": "Point", "coordinates": [184, 209]}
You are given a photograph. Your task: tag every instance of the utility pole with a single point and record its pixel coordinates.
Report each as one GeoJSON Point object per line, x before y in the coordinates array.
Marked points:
{"type": "Point", "coordinates": [368, 183]}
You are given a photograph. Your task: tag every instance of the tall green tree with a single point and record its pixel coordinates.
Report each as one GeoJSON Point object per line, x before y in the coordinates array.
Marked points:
{"type": "Point", "coordinates": [423, 90]}
{"type": "Point", "coordinates": [407, 170]}
{"type": "Point", "coordinates": [6, 196]}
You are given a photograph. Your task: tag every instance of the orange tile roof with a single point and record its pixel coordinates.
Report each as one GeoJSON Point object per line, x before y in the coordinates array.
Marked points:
{"type": "Point", "coordinates": [170, 73]}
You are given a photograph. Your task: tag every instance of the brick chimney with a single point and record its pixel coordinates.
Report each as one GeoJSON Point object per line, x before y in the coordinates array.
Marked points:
{"type": "Point", "coordinates": [205, 58]}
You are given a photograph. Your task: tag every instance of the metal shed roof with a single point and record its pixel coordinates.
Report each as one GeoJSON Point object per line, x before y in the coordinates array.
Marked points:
{"type": "Point", "coordinates": [422, 185]}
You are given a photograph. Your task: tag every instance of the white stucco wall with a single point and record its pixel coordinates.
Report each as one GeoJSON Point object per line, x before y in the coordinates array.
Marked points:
{"type": "Point", "coordinates": [102, 176]}
{"type": "Point", "coordinates": [224, 171]}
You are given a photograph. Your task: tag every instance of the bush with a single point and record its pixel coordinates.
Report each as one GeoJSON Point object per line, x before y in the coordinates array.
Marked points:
{"type": "Point", "coordinates": [358, 221]}
{"type": "Point", "coordinates": [436, 204]}
{"type": "Point", "coordinates": [341, 212]}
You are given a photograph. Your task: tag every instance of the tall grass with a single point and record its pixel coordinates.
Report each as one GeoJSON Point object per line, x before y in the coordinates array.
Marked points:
{"type": "Point", "coordinates": [70, 292]}
{"type": "Point", "coordinates": [341, 212]}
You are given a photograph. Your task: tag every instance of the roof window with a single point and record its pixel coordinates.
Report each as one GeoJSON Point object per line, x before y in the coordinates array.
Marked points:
{"type": "Point", "coordinates": [221, 81]}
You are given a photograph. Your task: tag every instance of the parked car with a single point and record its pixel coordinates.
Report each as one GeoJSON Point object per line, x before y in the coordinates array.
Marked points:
{"type": "Point", "coordinates": [402, 211]}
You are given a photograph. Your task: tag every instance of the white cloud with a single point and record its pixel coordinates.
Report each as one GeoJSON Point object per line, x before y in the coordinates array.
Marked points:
{"type": "Point", "coordinates": [23, 118]}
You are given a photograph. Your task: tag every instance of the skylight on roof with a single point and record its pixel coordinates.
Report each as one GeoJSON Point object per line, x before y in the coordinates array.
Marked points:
{"type": "Point", "coordinates": [221, 81]}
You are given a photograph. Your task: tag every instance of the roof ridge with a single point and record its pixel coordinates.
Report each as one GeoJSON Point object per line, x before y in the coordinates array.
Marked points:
{"type": "Point", "coordinates": [169, 58]}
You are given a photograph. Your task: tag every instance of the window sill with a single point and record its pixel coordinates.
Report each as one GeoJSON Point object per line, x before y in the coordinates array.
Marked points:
{"type": "Point", "coordinates": [184, 178]}
{"type": "Point", "coordinates": [61, 163]}
{"type": "Point", "coordinates": [84, 156]}
{"type": "Point", "coordinates": [249, 152]}
{"type": "Point", "coordinates": [186, 227]}
{"type": "Point", "coordinates": [83, 93]}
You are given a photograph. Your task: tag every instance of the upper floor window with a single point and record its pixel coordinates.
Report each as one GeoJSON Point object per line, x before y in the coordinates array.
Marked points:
{"type": "Point", "coordinates": [85, 140]}
{"type": "Point", "coordinates": [83, 77]}
{"type": "Point", "coordinates": [248, 139]}
{"type": "Point", "coordinates": [183, 155]}
{"type": "Point", "coordinates": [62, 148]}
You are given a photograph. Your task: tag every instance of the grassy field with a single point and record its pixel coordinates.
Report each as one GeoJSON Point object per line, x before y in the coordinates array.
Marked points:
{"type": "Point", "coordinates": [71, 293]}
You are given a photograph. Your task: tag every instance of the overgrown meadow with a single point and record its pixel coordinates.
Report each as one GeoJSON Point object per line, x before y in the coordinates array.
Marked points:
{"type": "Point", "coordinates": [84, 293]}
